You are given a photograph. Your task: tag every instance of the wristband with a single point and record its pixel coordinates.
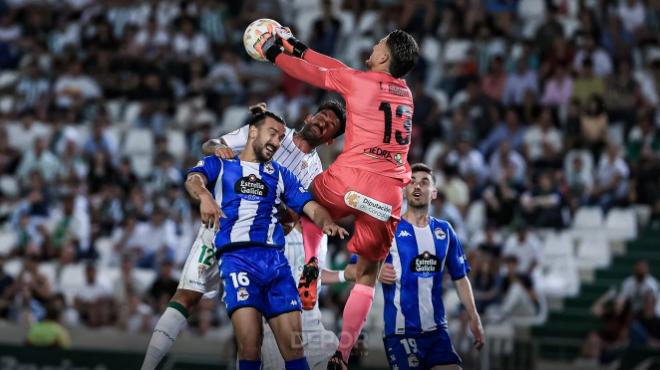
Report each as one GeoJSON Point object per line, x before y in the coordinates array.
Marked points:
{"type": "Point", "coordinates": [298, 47]}
{"type": "Point", "coordinates": [341, 276]}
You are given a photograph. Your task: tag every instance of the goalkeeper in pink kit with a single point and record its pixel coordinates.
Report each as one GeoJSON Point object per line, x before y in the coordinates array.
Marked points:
{"type": "Point", "coordinates": [367, 178]}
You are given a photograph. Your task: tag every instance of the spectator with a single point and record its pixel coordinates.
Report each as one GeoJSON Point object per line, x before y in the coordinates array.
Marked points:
{"type": "Point", "coordinates": [612, 175]}
{"type": "Point", "coordinates": [49, 332]}
{"type": "Point", "coordinates": [485, 282]}
{"type": "Point", "coordinates": [635, 287]}
{"type": "Point", "coordinates": [6, 289]}
{"type": "Point", "coordinates": [593, 125]}
{"type": "Point", "coordinates": [74, 88]}
{"type": "Point", "coordinates": [519, 299]}
{"type": "Point", "coordinates": [543, 142]}
{"type": "Point", "coordinates": [525, 246]}
{"type": "Point", "coordinates": [494, 81]}
{"type": "Point", "coordinates": [522, 81]}
{"type": "Point", "coordinates": [99, 140]}
{"type": "Point", "coordinates": [558, 89]}
{"type": "Point", "coordinates": [505, 156]}
{"type": "Point", "coordinates": [164, 286]}
{"type": "Point", "coordinates": [511, 130]}
{"type": "Point", "coordinates": [188, 42]}
{"type": "Point", "coordinates": [645, 329]}
{"type": "Point", "coordinates": [579, 177]}
{"type": "Point", "coordinates": [94, 301]}
{"type": "Point", "coordinates": [632, 14]}
{"type": "Point", "coordinates": [542, 207]}
{"type": "Point", "coordinates": [468, 160]}
{"type": "Point", "coordinates": [590, 51]}
{"type": "Point", "coordinates": [587, 84]}
{"type": "Point", "coordinates": [325, 30]}
{"type": "Point", "coordinates": [501, 197]}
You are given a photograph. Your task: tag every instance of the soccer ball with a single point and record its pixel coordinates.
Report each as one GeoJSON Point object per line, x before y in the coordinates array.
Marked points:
{"type": "Point", "coordinates": [253, 33]}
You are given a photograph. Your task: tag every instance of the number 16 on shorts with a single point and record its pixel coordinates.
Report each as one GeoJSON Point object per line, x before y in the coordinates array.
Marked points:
{"type": "Point", "coordinates": [240, 280]}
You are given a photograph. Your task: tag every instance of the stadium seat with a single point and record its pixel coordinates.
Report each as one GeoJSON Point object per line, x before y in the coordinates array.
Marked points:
{"type": "Point", "coordinates": [138, 141]}
{"type": "Point", "coordinates": [176, 143]}
{"type": "Point", "coordinates": [234, 117]}
{"type": "Point", "coordinates": [7, 104]}
{"type": "Point", "coordinates": [142, 165]}
{"type": "Point", "coordinates": [532, 12]}
{"type": "Point", "coordinates": [593, 251]}
{"type": "Point", "coordinates": [559, 275]}
{"type": "Point", "coordinates": [107, 255]}
{"type": "Point", "coordinates": [132, 112]}
{"type": "Point", "coordinates": [9, 186]}
{"type": "Point", "coordinates": [430, 48]}
{"type": "Point", "coordinates": [587, 220]}
{"type": "Point", "coordinates": [476, 217]}
{"type": "Point", "coordinates": [440, 97]}
{"type": "Point", "coordinates": [621, 224]}
{"type": "Point", "coordinates": [13, 267]}
{"type": "Point", "coordinates": [643, 213]}
{"type": "Point", "coordinates": [145, 278]}
{"type": "Point", "coordinates": [8, 241]}
{"type": "Point", "coordinates": [72, 280]}
{"type": "Point", "coordinates": [455, 51]}
{"type": "Point", "coordinates": [49, 269]}
{"type": "Point", "coordinates": [114, 108]}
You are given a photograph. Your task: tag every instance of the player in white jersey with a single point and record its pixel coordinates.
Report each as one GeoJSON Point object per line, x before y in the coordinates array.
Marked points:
{"type": "Point", "coordinates": [200, 275]}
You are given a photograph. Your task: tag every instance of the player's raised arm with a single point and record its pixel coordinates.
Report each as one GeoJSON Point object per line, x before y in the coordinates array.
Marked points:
{"type": "Point", "coordinates": [295, 47]}
{"type": "Point", "coordinates": [206, 170]}
{"type": "Point", "coordinates": [335, 79]}
{"type": "Point", "coordinates": [322, 219]}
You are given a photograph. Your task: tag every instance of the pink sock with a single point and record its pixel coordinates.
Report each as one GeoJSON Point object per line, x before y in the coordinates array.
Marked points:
{"type": "Point", "coordinates": [312, 235]}
{"type": "Point", "coordinates": [356, 310]}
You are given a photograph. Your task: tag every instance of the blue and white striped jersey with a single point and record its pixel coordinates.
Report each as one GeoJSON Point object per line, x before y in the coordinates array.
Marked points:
{"type": "Point", "coordinates": [249, 194]}
{"type": "Point", "coordinates": [420, 256]}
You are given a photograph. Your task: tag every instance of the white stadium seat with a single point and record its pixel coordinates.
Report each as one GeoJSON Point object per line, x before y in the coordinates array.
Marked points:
{"type": "Point", "coordinates": [621, 224]}
{"type": "Point", "coordinates": [138, 141]}
{"type": "Point", "coordinates": [8, 241]}
{"type": "Point", "coordinates": [176, 143]}
{"type": "Point", "coordinates": [234, 117]}
{"type": "Point", "coordinates": [593, 251]}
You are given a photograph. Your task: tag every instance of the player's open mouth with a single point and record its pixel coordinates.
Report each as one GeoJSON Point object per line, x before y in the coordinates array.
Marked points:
{"type": "Point", "coordinates": [270, 149]}
{"type": "Point", "coordinates": [417, 194]}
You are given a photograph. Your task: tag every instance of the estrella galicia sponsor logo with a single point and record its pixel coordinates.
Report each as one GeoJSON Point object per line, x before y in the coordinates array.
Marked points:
{"type": "Point", "coordinates": [380, 153]}
{"type": "Point", "coordinates": [425, 264]}
{"type": "Point", "coordinates": [251, 187]}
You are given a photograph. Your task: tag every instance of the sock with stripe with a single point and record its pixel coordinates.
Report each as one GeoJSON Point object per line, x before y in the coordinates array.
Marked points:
{"type": "Point", "coordinates": [298, 364]}
{"type": "Point", "coordinates": [249, 364]}
{"type": "Point", "coordinates": [167, 329]}
{"type": "Point", "coordinates": [355, 314]}
{"type": "Point", "coordinates": [312, 235]}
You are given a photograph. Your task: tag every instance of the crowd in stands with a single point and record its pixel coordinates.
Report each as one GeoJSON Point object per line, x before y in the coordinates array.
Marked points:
{"type": "Point", "coordinates": [526, 109]}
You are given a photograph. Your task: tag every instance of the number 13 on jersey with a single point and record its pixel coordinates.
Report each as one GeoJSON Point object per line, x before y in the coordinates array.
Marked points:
{"type": "Point", "coordinates": [404, 113]}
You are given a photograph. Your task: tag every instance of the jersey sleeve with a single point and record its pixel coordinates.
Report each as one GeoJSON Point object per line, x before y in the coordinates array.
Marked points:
{"type": "Point", "coordinates": [236, 139]}
{"type": "Point", "coordinates": [209, 166]}
{"type": "Point", "coordinates": [335, 79]}
{"type": "Point", "coordinates": [294, 194]}
{"type": "Point", "coordinates": [322, 60]}
{"type": "Point", "coordinates": [456, 263]}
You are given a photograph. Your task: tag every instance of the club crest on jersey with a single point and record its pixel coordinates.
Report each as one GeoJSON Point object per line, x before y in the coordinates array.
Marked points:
{"type": "Point", "coordinates": [439, 234]}
{"type": "Point", "coordinates": [413, 361]}
{"type": "Point", "coordinates": [251, 187]}
{"type": "Point", "coordinates": [269, 169]}
{"type": "Point", "coordinates": [242, 295]}
{"type": "Point", "coordinates": [425, 264]}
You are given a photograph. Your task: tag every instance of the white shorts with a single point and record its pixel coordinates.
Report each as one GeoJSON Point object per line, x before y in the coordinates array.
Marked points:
{"type": "Point", "coordinates": [320, 344]}
{"type": "Point", "coordinates": [200, 273]}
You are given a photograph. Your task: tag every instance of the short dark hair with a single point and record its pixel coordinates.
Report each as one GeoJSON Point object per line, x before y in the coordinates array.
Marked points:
{"type": "Point", "coordinates": [404, 52]}
{"type": "Point", "coordinates": [259, 116]}
{"type": "Point", "coordinates": [422, 167]}
{"type": "Point", "coordinates": [339, 111]}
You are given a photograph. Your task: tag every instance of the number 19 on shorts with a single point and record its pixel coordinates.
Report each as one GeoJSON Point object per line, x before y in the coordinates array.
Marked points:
{"type": "Point", "coordinates": [239, 279]}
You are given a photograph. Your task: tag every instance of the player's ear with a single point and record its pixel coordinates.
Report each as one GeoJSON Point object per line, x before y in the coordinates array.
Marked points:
{"type": "Point", "coordinates": [252, 132]}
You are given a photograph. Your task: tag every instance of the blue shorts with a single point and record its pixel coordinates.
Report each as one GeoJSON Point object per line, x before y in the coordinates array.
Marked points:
{"type": "Point", "coordinates": [421, 351]}
{"type": "Point", "coordinates": [258, 277]}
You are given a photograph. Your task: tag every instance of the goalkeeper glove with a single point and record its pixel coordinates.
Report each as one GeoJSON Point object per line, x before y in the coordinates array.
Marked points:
{"type": "Point", "coordinates": [268, 46]}
{"type": "Point", "coordinates": [291, 44]}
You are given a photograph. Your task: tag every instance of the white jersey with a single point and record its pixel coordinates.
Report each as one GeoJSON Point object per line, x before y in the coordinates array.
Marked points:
{"type": "Point", "coordinates": [306, 166]}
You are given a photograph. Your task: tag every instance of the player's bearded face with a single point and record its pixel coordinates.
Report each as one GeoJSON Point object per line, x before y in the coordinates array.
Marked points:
{"type": "Point", "coordinates": [320, 127]}
{"type": "Point", "coordinates": [421, 190]}
{"type": "Point", "coordinates": [268, 140]}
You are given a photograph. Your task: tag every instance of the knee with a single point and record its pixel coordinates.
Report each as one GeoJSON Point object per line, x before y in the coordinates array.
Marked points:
{"type": "Point", "coordinates": [293, 349]}
{"type": "Point", "coordinates": [249, 348]}
{"type": "Point", "coordinates": [187, 298]}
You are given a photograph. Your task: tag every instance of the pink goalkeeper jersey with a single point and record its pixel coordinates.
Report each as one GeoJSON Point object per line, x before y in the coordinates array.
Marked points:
{"type": "Point", "coordinates": [379, 112]}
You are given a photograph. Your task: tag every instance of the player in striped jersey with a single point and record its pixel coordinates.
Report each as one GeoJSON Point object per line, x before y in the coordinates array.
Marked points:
{"type": "Point", "coordinates": [255, 273]}
{"type": "Point", "coordinates": [200, 277]}
{"type": "Point", "coordinates": [423, 249]}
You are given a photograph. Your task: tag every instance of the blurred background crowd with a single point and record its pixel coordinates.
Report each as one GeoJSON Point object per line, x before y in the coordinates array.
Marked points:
{"type": "Point", "coordinates": [528, 110]}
